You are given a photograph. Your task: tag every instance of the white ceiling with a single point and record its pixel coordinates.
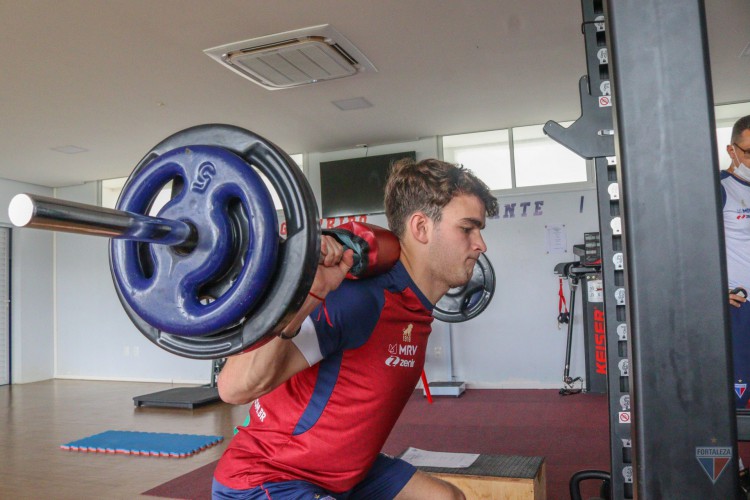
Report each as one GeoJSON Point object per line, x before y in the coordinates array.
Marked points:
{"type": "Point", "coordinates": [116, 77]}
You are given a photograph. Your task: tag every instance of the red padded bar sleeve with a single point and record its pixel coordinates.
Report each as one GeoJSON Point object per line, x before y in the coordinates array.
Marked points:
{"type": "Point", "coordinates": [383, 249]}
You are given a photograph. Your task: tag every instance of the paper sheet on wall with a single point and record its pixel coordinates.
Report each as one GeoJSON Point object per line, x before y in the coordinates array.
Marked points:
{"type": "Point", "coordinates": [556, 238]}
{"type": "Point", "coordinates": [423, 458]}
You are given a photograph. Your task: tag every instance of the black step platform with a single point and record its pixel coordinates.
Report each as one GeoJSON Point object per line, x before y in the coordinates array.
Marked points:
{"type": "Point", "coordinates": [495, 466]}
{"type": "Point", "coordinates": [179, 397]}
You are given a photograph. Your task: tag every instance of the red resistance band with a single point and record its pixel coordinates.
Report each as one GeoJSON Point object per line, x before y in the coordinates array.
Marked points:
{"type": "Point", "coordinates": [563, 316]}
{"type": "Point", "coordinates": [426, 387]}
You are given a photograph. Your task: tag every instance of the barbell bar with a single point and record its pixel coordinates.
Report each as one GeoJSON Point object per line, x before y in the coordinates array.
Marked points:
{"type": "Point", "coordinates": [43, 212]}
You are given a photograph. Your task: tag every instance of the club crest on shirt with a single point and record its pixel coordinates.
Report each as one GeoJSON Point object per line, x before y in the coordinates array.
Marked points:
{"type": "Point", "coordinates": [740, 389]}
{"type": "Point", "coordinates": [407, 332]}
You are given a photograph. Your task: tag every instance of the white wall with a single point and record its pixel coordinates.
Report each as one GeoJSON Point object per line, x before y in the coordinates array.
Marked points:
{"type": "Point", "coordinates": [515, 342]}
{"type": "Point", "coordinates": [95, 338]}
{"type": "Point", "coordinates": [32, 338]}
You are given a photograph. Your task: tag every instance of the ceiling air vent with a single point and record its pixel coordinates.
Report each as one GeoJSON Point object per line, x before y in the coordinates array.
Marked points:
{"type": "Point", "coordinates": [293, 58]}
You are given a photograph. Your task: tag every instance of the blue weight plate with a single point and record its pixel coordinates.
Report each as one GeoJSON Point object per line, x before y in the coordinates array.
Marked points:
{"type": "Point", "coordinates": [297, 257]}
{"type": "Point", "coordinates": [214, 286]}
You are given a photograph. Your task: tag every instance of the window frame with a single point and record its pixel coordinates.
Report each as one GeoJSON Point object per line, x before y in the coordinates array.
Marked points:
{"type": "Point", "coordinates": [589, 184]}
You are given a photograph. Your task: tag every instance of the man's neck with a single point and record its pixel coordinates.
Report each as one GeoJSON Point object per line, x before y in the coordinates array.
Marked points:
{"type": "Point", "coordinates": [422, 278]}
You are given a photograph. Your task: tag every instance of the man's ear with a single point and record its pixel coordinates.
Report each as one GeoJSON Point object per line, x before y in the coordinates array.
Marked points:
{"type": "Point", "coordinates": [732, 153]}
{"type": "Point", "coordinates": [419, 227]}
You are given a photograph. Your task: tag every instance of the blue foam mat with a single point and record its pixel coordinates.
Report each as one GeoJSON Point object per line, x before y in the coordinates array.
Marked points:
{"type": "Point", "coordinates": [144, 443]}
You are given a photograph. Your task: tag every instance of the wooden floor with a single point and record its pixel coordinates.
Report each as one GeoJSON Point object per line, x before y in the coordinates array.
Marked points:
{"type": "Point", "coordinates": [37, 418]}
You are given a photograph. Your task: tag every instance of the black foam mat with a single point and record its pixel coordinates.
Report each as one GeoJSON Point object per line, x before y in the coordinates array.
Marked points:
{"type": "Point", "coordinates": [179, 397]}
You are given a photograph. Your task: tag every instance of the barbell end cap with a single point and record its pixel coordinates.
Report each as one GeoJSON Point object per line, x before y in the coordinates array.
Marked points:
{"type": "Point", "coordinates": [21, 210]}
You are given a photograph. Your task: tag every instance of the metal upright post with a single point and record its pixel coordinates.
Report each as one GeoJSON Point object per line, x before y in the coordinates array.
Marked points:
{"type": "Point", "coordinates": [684, 431]}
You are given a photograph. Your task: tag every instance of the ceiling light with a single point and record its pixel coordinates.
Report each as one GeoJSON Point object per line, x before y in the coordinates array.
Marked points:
{"type": "Point", "coordinates": [293, 58]}
{"type": "Point", "coordinates": [69, 150]}
{"type": "Point", "coordinates": [349, 104]}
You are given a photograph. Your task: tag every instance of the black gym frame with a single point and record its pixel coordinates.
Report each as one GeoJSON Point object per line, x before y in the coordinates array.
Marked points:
{"type": "Point", "coordinates": [673, 239]}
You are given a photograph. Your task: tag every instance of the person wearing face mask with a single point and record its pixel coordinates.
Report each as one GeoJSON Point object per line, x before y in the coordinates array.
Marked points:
{"type": "Point", "coordinates": [735, 194]}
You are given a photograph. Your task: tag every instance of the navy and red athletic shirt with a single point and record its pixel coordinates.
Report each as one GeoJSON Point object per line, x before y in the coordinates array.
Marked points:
{"type": "Point", "coordinates": [327, 424]}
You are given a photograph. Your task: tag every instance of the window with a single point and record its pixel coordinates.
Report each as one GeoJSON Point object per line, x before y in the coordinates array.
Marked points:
{"type": "Point", "coordinates": [540, 161]}
{"type": "Point", "coordinates": [521, 157]}
{"type": "Point", "coordinates": [487, 154]}
{"type": "Point", "coordinates": [111, 189]}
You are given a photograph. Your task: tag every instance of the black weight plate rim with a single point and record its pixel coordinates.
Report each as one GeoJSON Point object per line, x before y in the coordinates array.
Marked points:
{"type": "Point", "coordinates": [488, 291]}
{"type": "Point", "coordinates": [298, 255]}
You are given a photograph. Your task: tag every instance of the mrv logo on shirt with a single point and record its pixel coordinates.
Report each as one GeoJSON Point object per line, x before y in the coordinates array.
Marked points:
{"type": "Point", "coordinates": [399, 350]}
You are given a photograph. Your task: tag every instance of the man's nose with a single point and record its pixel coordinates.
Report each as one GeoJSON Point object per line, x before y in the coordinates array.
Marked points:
{"type": "Point", "coordinates": [480, 244]}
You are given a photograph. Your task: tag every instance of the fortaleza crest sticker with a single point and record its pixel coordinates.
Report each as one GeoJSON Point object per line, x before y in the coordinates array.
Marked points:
{"type": "Point", "coordinates": [713, 459]}
{"type": "Point", "coordinates": [740, 389]}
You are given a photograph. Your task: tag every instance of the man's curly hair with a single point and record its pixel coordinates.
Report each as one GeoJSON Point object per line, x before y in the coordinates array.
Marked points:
{"type": "Point", "coordinates": [427, 186]}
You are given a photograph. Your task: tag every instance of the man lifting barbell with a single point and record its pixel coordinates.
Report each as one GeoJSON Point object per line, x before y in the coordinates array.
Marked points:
{"type": "Point", "coordinates": [323, 403]}
{"type": "Point", "coordinates": [326, 364]}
